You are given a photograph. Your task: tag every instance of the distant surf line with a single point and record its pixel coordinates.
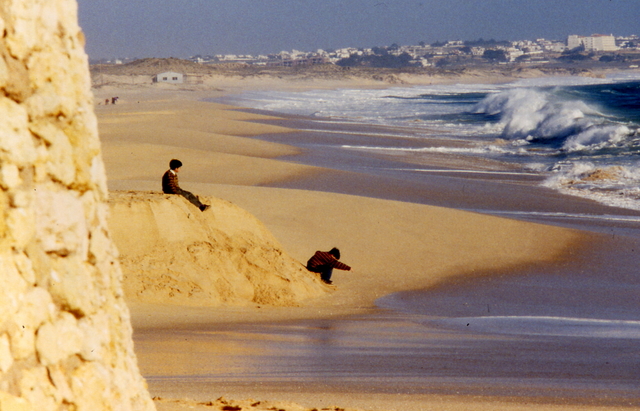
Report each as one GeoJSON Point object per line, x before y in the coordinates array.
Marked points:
{"type": "Point", "coordinates": [360, 133]}
{"type": "Point", "coordinates": [604, 217]}
{"type": "Point", "coordinates": [461, 171]}
{"type": "Point", "coordinates": [546, 325]}
{"type": "Point", "coordinates": [444, 150]}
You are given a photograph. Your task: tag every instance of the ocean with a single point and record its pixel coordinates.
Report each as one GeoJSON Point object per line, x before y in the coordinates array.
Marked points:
{"type": "Point", "coordinates": [582, 135]}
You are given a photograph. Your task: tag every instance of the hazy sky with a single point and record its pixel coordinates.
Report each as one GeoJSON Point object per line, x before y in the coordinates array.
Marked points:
{"type": "Point", "coordinates": [183, 28]}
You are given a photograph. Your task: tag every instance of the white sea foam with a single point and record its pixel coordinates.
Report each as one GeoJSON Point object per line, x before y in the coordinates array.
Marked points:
{"type": "Point", "coordinates": [450, 150]}
{"type": "Point", "coordinates": [560, 81]}
{"type": "Point", "coordinates": [625, 198]}
{"type": "Point", "coordinates": [597, 137]}
{"type": "Point", "coordinates": [458, 171]}
{"type": "Point", "coordinates": [361, 133]}
{"type": "Point", "coordinates": [617, 186]}
{"type": "Point", "coordinates": [565, 216]}
{"type": "Point", "coordinates": [372, 106]}
{"type": "Point", "coordinates": [553, 326]}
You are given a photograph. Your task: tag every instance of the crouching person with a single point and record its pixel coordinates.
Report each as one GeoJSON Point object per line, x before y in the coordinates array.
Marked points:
{"type": "Point", "coordinates": [323, 263]}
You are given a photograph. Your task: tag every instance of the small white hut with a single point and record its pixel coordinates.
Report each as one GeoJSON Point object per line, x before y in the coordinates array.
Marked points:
{"type": "Point", "coordinates": [169, 77]}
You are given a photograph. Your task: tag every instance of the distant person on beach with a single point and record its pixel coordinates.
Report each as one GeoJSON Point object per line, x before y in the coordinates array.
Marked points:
{"type": "Point", "coordinates": [323, 263]}
{"type": "Point", "coordinates": [170, 185]}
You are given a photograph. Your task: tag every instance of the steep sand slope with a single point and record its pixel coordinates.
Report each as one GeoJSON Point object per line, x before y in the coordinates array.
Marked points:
{"type": "Point", "coordinates": [172, 253]}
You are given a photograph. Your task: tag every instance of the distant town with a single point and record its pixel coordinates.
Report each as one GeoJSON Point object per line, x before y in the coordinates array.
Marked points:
{"type": "Point", "coordinates": [575, 49]}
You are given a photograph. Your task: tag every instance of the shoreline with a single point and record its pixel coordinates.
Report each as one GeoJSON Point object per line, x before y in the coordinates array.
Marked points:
{"type": "Point", "coordinates": [229, 152]}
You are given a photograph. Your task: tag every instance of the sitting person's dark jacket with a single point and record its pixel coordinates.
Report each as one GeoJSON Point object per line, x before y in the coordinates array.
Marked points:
{"type": "Point", "coordinates": [170, 185]}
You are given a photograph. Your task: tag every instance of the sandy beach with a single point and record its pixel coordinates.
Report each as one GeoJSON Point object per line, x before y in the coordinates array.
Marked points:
{"type": "Point", "coordinates": [271, 356]}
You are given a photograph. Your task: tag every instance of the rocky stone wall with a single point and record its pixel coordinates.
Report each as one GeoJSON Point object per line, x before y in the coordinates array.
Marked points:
{"type": "Point", "coordinates": [65, 334]}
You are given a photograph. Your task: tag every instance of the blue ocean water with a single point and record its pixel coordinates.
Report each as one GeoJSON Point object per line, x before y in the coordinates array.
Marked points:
{"type": "Point", "coordinates": [581, 134]}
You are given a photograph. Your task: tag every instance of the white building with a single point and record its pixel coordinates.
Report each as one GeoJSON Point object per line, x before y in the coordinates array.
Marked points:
{"type": "Point", "coordinates": [553, 46]}
{"type": "Point", "coordinates": [513, 53]}
{"type": "Point", "coordinates": [595, 42]}
{"type": "Point", "coordinates": [600, 42]}
{"type": "Point", "coordinates": [477, 51]}
{"type": "Point", "coordinates": [169, 77]}
{"type": "Point", "coordinates": [574, 41]}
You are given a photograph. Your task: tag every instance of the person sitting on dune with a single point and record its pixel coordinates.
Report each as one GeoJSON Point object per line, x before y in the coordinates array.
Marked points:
{"type": "Point", "coordinates": [323, 263]}
{"type": "Point", "coordinates": [170, 185]}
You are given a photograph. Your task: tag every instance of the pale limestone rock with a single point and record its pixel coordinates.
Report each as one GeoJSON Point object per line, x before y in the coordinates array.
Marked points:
{"type": "Point", "coordinates": [65, 333]}
{"type": "Point", "coordinates": [4, 70]}
{"type": "Point", "coordinates": [35, 309]}
{"type": "Point", "coordinates": [37, 389]}
{"type": "Point", "coordinates": [25, 268]}
{"type": "Point", "coordinates": [72, 288]}
{"type": "Point", "coordinates": [61, 229]}
{"type": "Point", "coordinates": [22, 339]}
{"type": "Point", "coordinates": [8, 302]}
{"type": "Point", "coordinates": [59, 340]}
{"type": "Point", "coordinates": [21, 199]}
{"type": "Point", "coordinates": [30, 25]}
{"type": "Point", "coordinates": [97, 175]}
{"type": "Point", "coordinates": [10, 176]}
{"type": "Point", "coordinates": [59, 150]}
{"type": "Point", "coordinates": [10, 402]}
{"type": "Point", "coordinates": [90, 387]}
{"type": "Point", "coordinates": [59, 380]}
{"type": "Point", "coordinates": [22, 225]}
{"type": "Point", "coordinates": [96, 336]}
{"type": "Point", "coordinates": [6, 358]}
{"type": "Point", "coordinates": [102, 251]}
{"type": "Point", "coordinates": [12, 285]}
{"type": "Point", "coordinates": [4, 208]}
{"type": "Point", "coordinates": [13, 128]}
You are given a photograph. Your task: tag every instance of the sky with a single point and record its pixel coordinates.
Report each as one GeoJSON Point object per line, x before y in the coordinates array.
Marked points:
{"type": "Point", "coordinates": [184, 28]}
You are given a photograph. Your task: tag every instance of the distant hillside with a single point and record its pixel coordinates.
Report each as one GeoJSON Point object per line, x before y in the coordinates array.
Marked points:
{"type": "Point", "coordinates": [120, 74]}
{"type": "Point", "coordinates": [152, 66]}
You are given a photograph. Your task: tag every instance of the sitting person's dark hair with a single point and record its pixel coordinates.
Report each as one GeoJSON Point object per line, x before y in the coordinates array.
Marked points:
{"type": "Point", "coordinates": [173, 164]}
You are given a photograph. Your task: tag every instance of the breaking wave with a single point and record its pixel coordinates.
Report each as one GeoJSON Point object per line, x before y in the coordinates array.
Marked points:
{"type": "Point", "coordinates": [554, 117]}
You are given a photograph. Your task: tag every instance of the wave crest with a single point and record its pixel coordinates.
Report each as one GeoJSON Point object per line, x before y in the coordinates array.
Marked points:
{"type": "Point", "coordinates": [537, 115]}
{"type": "Point", "coordinates": [597, 136]}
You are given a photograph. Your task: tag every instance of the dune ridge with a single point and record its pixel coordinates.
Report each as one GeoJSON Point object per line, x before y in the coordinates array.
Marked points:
{"type": "Point", "coordinates": [172, 253]}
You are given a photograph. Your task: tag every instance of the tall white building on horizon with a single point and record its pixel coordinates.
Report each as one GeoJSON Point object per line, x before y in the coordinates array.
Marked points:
{"type": "Point", "coordinates": [595, 42]}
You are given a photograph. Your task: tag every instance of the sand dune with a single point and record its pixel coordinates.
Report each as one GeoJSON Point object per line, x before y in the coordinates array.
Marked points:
{"type": "Point", "coordinates": [171, 253]}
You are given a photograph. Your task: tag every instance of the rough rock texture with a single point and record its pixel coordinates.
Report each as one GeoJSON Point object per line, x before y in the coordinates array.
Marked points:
{"type": "Point", "coordinates": [65, 334]}
{"type": "Point", "coordinates": [170, 252]}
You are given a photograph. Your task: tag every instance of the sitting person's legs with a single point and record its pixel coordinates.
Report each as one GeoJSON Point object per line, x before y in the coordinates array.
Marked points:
{"type": "Point", "coordinates": [193, 199]}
